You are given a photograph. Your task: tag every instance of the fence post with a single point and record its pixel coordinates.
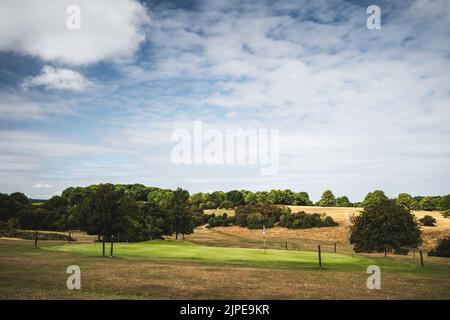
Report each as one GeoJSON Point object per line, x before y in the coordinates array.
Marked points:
{"type": "Point", "coordinates": [286, 245]}
{"type": "Point", "coordinates": [69, 238]}
{"type": "Point", "coordinates": [103, 245]}
{"type": "Point", "coordinates": [36, 238]}
{"type": "Point", "coordinates": [335, 247]}
{"type": "Point", "coordinates": [320, 257]}
{"type": "Point", "coordinates": [421, 257]}
{"type": "Point", "coordinates": [112, 244]}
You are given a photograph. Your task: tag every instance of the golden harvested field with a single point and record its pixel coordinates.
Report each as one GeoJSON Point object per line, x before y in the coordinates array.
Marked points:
{"type": "Point", "coordinates": [229, 212]}
{"type": "Point", "coordinates": [306, 238]}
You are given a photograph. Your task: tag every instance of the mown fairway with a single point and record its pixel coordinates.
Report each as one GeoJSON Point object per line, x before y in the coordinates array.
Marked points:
{"type": "Point", "coordinates": [166, 250]}
{"type": "Point", "coordinates": [176, 270]}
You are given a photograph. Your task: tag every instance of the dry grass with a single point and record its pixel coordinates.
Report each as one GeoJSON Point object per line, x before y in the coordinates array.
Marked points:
{"type": "Point", "coordinates": [339, 234]}
{"type": "Point", "coordinates": [229, 212]}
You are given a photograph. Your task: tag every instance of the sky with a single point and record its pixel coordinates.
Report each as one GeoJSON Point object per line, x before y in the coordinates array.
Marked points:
{"type": "Point", "coordinates": [356, 109]}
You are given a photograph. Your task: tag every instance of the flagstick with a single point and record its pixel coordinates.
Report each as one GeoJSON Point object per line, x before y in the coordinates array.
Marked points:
{"type": "Point", "coordinates": [264, 233]}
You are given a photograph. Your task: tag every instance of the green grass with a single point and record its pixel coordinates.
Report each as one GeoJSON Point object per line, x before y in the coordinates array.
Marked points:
{"type": "Point", "coordinates": [177, 270]}
{"type": "Point", "coordinates": [187, 252]}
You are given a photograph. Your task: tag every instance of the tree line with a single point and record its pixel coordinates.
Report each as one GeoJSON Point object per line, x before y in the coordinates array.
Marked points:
{"type": "Point", "coordinates": [105, 210]}
{"type": "Point", "coordinates": [234, 198]}
{"type": "Point", "coordinates": [135, 212]}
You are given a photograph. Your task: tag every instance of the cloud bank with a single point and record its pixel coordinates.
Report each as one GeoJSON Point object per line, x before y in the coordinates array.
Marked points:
{"type": "Point", "coordinates": [110, 29]}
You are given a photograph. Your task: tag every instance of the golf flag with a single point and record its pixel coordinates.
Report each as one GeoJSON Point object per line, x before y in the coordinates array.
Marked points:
{"type": "Point", "coordinates": [264, 234]}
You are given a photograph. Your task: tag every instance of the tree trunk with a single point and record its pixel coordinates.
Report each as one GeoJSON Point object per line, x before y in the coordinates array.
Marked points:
{"type": "Point", "coordinates": [103, 244]}
{"type": "Point", "coordinates": [176, 235]}
{"type": "Point", "coordinates": [36, 238]}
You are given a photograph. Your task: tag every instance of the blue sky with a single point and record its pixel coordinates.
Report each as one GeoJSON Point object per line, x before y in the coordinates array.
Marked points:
{"type": "Point", "coordinates": [357, 109]}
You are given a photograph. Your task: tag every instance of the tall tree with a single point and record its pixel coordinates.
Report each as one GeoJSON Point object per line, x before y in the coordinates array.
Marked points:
{"type": "Point", "coordinates": [444, 202]}
{"type": "Point", "coordinates": [180, 215]}
{"type": "Point", "coordinates": [235, 197]}
{"type": "Point", "coordinates": [343, 202]}
{"type": "Point", "coordinates": [374, 198]}
{"type": "Point", "coordinates": [428, 203]}
{"type": "Point", "coordinates": [404, 200]}
{"type": "Point", "coordinates": [104, 211]}
{"type": "Point", "coordinates": [383, 225]}
{"type": "Point", "coordinates": [328, 199]}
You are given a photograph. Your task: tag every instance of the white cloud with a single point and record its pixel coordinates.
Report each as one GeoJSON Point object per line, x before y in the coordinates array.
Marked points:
{"type": "Point", "coordinates": [110, 30]}
{"type": "Point", "coordinates": [15, 107]}
{"type": "Point", "coordinates": [41, 145]}
{"type": "Point", "coordinates": [42, 185]}
{"type": "Point", "coordinates": [354, 107]}
{"type": "Point", "coordinates": [58, 79]}
{"type": "Point", "coordinates": [357, 109]}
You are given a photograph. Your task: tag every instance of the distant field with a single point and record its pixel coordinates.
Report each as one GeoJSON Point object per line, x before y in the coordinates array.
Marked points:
{"type": "Point", "coordinates": [338, 234]}
{"type": "Point", "coordinates": [229, 212]}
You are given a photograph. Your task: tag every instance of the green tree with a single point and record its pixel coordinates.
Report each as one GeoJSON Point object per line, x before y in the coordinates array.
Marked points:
{"type": "Point", "coordinates": [374, 198]}
{"type": "Point", "coordinates": [180, 215]}
{"type": "Point", "coordinates": [235, 197]}
{"type": "Point", "coordinates": [159, 198]}
{"type": "Point", "coordinates": [8, 207]}
{"type": "Point", "coordinates": [227, 204]}
{"type": "Point", "coordinates": [442, 249]}
{"type": "Point", "coordinates": [328, 199]}
{"type": "Point", "coordinates": [383, 225]}
{"type": "Point", "coordinates": [301, 199]}
{"type": "Point", "coordinates": [343, 202]}
{"type": "Point", "coordinates": [105, 211]}
{"type": "Point", "coordinates": [428, 204]}
{"type": "Point", "coordinates": [405, 200]}
{"type": "Point", "coordinates": [251, 198]}
{"type": "Point", "coordinates": [444, 203]}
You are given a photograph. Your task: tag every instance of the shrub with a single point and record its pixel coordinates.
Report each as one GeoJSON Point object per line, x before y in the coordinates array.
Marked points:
{"type": "Point", "coordinates": [29, 235]}
{"type": "Point", "coordinates": [226, 204]}
{"type": "Point", "coordinates": [259, 215]}
{"type": "Point", "coordinates": [428, 221]}
{"type": "Point", "coordinates": [219, 220]}
{"type": "Point", "coordinates": [442, 249]}
{"type": "Point", "coordinates": [302, 220]}
{"type": "Point", "coordinates": [446, 213]}
{"type": "Point", "coordinates": [401, 251]}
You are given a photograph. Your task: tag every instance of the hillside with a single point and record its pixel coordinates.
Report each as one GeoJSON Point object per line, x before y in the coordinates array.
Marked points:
{"type": "Point", "coordinates": [339, 234]}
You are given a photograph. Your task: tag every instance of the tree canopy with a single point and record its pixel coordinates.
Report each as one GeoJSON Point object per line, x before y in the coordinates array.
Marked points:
{"type": "Point", "coordinates": [383, 225]}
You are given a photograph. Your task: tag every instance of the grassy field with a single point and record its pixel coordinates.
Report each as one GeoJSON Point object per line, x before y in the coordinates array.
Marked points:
{"type": "Point", "coordinates": [224, 263]}
{"type": "Point", "coordinates": [176, 251]}
{"type": "Point", "coordinates": [177, 270]}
